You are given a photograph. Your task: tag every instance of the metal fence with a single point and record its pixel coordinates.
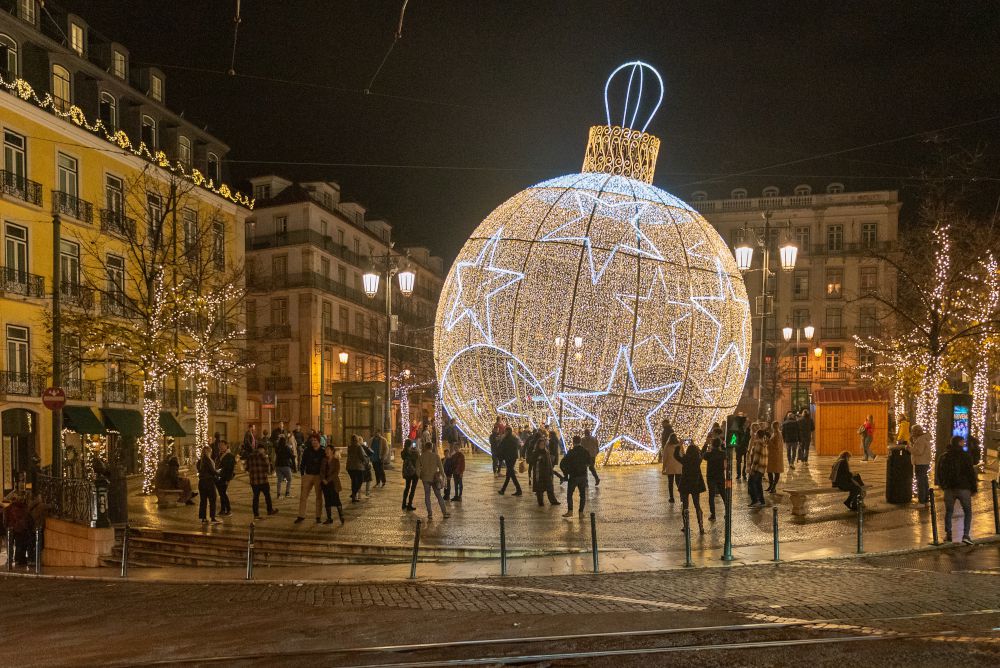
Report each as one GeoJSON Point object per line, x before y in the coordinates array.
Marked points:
{"type": "Point", "coordinates": [67, 498]}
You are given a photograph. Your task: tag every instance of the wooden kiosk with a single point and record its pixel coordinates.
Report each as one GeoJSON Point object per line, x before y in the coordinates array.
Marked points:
{"type": "Point", "coordinates": [839, 414]}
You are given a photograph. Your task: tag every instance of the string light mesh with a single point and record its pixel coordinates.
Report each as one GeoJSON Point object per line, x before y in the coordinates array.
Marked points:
{"type": "Point", "coordinates": [593, 300]}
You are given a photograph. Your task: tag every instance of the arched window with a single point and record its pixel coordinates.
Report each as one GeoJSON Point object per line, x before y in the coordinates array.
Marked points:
{"type": "Point", "coordinates": [184, 151]}
{"type": "Point", "coordinates": [8, 58]}
{"type": "Point", "coordinates": [738, 193]}
{"type": "Point", "coordinates": [835, 188]}
{"type": "Point", "coordinates": [109, 111]}
{"type": "Point", "coordinates": [212, 167]}
{"type": "Point", "coordinates": [771, 191]}
{"type": "Point", "coordinates": [803, 190]}
{"type": "Point", "coordinates": [699, 195]}
{"type": "Point", "coordinates": [61, 88]}
{"type": "Point", "coordinates": [149, 132]}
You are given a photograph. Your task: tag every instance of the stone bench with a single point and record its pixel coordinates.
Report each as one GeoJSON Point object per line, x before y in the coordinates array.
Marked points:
{"type": "Point", "coordinates": [165, 497]}
{"type": "Point", "coordinates": [800, 496]}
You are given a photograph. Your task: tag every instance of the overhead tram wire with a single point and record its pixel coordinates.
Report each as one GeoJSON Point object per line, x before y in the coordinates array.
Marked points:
{"type": "Point", "coordinates": [395, 38]}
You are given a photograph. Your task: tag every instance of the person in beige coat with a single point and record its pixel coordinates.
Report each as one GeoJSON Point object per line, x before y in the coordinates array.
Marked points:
{"type": "Point", "coordinates": [431, 474]}
{"type": "Point", "coordinates": [920, 452]}
{"type": "Point", "coordinates": [672, 467]}
{"type": "Point", "coordinates": [775, 457]}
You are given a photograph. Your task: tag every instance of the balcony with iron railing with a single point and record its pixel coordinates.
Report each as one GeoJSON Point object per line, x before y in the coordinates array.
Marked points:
{"type": "Point", "coordinates": [311, 237]}
{"type": "Point", "coordinates": [79, 389]}
{"type": "Point", "coordinates": [117, 305]}
{"type": "Point", "coordinates": [833, 332]}
{"type": "Point", "coordinates": [18, 187]}
{"type": "Point", "coordinates": [117, 223]}
{"type": "Point", "coordinates": [309, 279]}
{"type": "Point", "coordinates": [17, 383]}
{"type": "Point", "coordinates": [218, 401]}
{"type": "Point", "coordinates": [66, 204]}
{"type": "Point", "coordinates": [17, 282]}
{"type": "Point", "coordinates": [795, 201]}
{"type": "Point", "coordinates": [119, 392]}
{"type": "Point", "coordinates": [272, 332]}
{"type": "Point", "coordinates": [71, 293]}
{"type": "Point", "coordinates": [352, 341]}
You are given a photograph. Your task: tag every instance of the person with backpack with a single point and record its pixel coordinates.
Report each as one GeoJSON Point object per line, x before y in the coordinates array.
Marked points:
{"type": "Point", "coordinates": [843, 479]}
{"type": "Point", "coordinates": [18, 521]}
{"type": "Point", "coordinates": [409, 456]}
{"type": "Point", "coordinates": [592, 447]}
{"type": "Point", "coordinates": [956, 475]}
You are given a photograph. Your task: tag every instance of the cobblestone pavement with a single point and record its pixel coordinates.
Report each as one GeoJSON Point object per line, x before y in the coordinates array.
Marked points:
{"type": "Point", "coordinates": [631, 505]}
{"type": "Point", "coordinates": [953, 591]}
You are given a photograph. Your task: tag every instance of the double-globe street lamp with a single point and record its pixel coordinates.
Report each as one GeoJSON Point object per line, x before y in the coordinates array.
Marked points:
{"type": "Point", "coordinates": [387, 264]}
{"type": "Point", "coordinates": [788, 252]}
{"type": "Point", "coordinates": [787, 333]}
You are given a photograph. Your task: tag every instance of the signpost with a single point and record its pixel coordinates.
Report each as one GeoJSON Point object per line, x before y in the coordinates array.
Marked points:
{"type": "Point", "coordinates": [735, 425]}
{"type": "Point", "coordinates": [54, 398]}
{"type": "Point", "coordinates": [267, 400]}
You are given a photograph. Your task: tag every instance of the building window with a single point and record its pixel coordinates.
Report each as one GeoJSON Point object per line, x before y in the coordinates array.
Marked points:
{"type": "Point", "coordinates": [281, 224]}
{"type": "Point", "coordinates": [108, 111]}
{"type": "Point", "coordinates": [279, 268]}
{"type": "Point", "coordinates": [800, 317]}
{"type": "Point", "coordinates": [738, 193]}
{"type": "Point", "coordinates": [61, 95]}
{"type": "Point", "coordinates": [803, 191]}
{"type": "Point", "coordinates": [212, 167]}
{"type": "Point", "coordinates": [800, 285]}
{"type": "Point", "coordinates": [327, 316]}
{"type": "Point", "coordinates": [148, 132]}
{"type": "Point", "coordinates": [340, 238]}
{"type": "Point", "coordinates": [342, 274]}
{"type": "Point", "coordinates": [68, 175]}
{"type": "Point", "coordinates": [835, 188]}
{"type": "Point", "coordinates": [835, 238]}
{"type": "Point", "coordinates": [770, 191]}
{"type": "Point", "coordinates": [184, 151]}
{"type": "Point", "coordinates": [802, 239]}
{"type": "Point", "coordinates": [14, 162]}
{"type": "Point", "coordinates": [279, 311]}
{"type": "Point", "coordinates": [114, 197]}
{"type": "Point", "coordinates": [119, 65]}
{"type": "Point", "coordinates": [262, 192]}
{"type": "Point", "coordinates": [359, 324]}
{"type": "Point", "coordinates": [219, 245]}
{"type": "Point", "coordinates": [739, 237]}
{"type": "Point", "coordinates": [869, 236]}
{"type": "Point", "coordinates": [251, 316]}
{"type": "Point", "coordinates": [69, 266]}
{"type": "Point", "coordinates": [868, 280]}
{"type": "Point", "coordinates": [699, 196]}
{"type": "Point", "coordinates": [866, 360]}
{"type": "Point", "coordinates": [834, 283]}
{"type": "Point", "coordinates": [77, 39]}
{"type": "Point", "coordinates": [867, 320]}
{"type": "Point", "coordinates": [357, 247]}
{"type": "Point", "coordinates": [833, 323]}
{"type": "Point", "coordinates": [8, 57]}
{"type": "Point", "coordinates": [189, 225]}
{"type": "Point", "coordinates": [154, 209]}
{"type": "Point", "coordinates": [344, 319]}
{"type": "Point", "coordinates": [16, 252]}
{"type": "Point", "coordinates": [833, 359]}
{"type": "Point", "coordinates": [324, 267]}
{"type": "Point", "coordinates": [115, 267]}
{"type": "Point", "coordinates": [26, 8]}
{"type": "Point", "coordinates": [156, 87]}
{"type": "Point", "coordinates": [18, 351]}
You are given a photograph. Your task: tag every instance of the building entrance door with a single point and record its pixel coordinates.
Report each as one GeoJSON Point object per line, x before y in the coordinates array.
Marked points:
{"type": "Point", "coordinates": [19, 447]}
{"type": "Point", "coordinates": [359, 417]}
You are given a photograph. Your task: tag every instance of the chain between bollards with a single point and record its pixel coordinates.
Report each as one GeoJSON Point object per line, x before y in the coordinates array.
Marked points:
{"type": "Point", "coordinates": [593, 541]}
{"type": "Point", "coordinates": [774, 527]}
{"type": "Point", "coordinates": [861, 525]}
{"type": "Point", "coordinates": [38, 550]}
{"type": "Point", "coordinates": [250, 549]}
{"type": "Point", "coordinates": [125, 552]}
{"type": "Point", "coordinates": [416, 549]}
{"type": "Point", "coordinates": [934, 526]}
{"type": "Point", "coordinates": [503, 547]}
{"type": "Point", "coordinates": [996, 507]}
{"type": "Point", "coordinates": [687, 536]}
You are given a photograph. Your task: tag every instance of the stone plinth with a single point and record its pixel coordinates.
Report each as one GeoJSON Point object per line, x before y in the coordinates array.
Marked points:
{"type": "Point", "coordinates": [69, 544]}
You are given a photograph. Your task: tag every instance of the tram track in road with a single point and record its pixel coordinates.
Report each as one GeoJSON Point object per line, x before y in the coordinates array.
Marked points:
{"type": "Point", "coordinates": [603, 645]}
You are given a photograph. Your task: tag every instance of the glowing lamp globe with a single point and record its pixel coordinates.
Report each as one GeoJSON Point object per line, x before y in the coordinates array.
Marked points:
{"type": "Point", "coordinates": [596, 300]}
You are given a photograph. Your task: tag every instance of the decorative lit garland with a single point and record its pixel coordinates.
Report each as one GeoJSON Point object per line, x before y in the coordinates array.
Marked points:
{"type": "Point", "coordinates": [23, 90]}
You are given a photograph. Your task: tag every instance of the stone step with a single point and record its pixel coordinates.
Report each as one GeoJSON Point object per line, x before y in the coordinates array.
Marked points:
{"type": "Point", "coordinates": [263, 553]}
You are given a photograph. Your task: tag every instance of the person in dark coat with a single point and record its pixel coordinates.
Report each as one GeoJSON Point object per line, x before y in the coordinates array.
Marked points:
{"type": "Point", "coordinates": [530, 447]}
{"type": "Point", "coordinates": [226, 464]}
{"type": "Point", "coordinates": [690, 483]}
{"type": "Point", "coordinates": [715, 474]}
{"type": "Point", "coordinates": [956, 475]}
{"type": "Point", "coordinates": [806, 427]}
{"type": "Point", "coordinates": [742, 445]}
{"type": "Point", "coordinates": [790, 435]}
{"type": "Point", "coordinates": [507, 451]}
{"type": "Point", "coordinates": [207, 475]}
{"type": "Point", "coordinates": [543, 470]}
{"type": "Point", "coordinates": [851, 483]}
{"type": "Point", "coordinates": [409, 456]}
{"type": "Point", "coordinates": [575, 465]}
{"type": "Point", "coordinates": [555, 445]}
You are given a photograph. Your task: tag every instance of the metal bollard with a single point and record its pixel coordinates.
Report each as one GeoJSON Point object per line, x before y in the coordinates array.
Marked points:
{"type": "Point", "coordinates": [38, 550]}
{"type": "Point", "coordinates": [861, 526]}
{"type": "Point", "coordinates": [996, 508]}
{"type": "Point", "coordinates": [503, 547]}
{"type": "Point", "coordinates": [125, 552]}
{"type": "Point", "coordinates": [593, 541]}
{"type": "Point", "coordinates": [416, 549]}
{"type": "Point", "coordinates": [774, 527]}
{"type": "Point", "coordinates": [10, 550]}
{"type": "Point", "coordinates": [250, 549]}
{"type": "Point", "coordinates": [934, 526]}
{"type": "Point", "coordinates": [687, 537]}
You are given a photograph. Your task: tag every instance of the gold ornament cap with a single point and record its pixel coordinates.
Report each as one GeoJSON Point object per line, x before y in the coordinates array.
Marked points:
{"type": "Point", "coordinates": [622, 149]}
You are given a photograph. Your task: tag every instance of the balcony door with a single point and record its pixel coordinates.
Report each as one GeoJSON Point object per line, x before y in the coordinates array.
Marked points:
{"type": "Point", "coordinates": [18, 358]}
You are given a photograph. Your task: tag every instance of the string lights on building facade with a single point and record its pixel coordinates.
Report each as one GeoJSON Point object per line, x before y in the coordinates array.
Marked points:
{"type": "Point", "coordinates": [596, 300]}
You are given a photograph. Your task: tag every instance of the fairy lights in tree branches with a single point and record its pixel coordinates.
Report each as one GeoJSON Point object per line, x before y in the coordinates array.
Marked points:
{"type": "Point", "coordinates": [119, 138]}
{"type": "Point", "coordinates": [595, 300]}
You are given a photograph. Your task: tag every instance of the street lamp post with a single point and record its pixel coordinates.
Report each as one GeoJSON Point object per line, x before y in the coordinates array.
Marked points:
{"type": "Point", "coordinates": [808, 331]}
{"type": "Point", "coordinates": [744, 258]}
{"type": "Point", "coordinates": [386, 264]}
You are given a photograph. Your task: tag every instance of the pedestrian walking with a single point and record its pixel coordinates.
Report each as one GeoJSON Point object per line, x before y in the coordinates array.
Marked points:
{"type": "Point", "coordinates": [356, 466]}
{"type": "Point", "coordinates": [671, 465]}
{"type": "Point", "coordinates": [715, 474]}
{"type": "Point", "coordinates": [17, 519]}
{"type": "Point", "coordinates": [756, 463]}
{"type": "Point", "coordinates": [845, 480]}
{"type": "Point", "coordinates": [496, 436]}
{"type": "Point", "coordinates": [207, 476]}
{"type": "Point", "coordinates": [775, 457]}
{"type": "Point", "coordinates": [431, 474]}
{"type": "Point", "coordinates": [555, 445]}
{"type": "Point", "coordinates": [666, 431]}
{"type": "Point", "coordinates": [574, 466]}
{"type": "Point", "coordinates": [227, 471]}
{"type": "Point", "coordinates": [790, 436]}
{"type": "Point", "coordinates": [592, 447]}
{"type": "Point", "coordinates": [956, 475]}
{"type": "Point", "coordinates": [508, 451]}
{"type": "Point", "coordinates": [691, 484]}
{"type": "Point", "coordinates": [309, 467]}
{"type": "Point", "coordinates": [543, 472]}
{"type": "Point", "coordinates": [249, 442]}
{"type": "Point", "coordinates": [867, 433]}
{"type": "Point", "coordinates": [369, 465]}
{"type": "Point", "coordinates": [920, 455]}
{"type": "Point", "coordinates": [806, 427]}
{"type": "Point", "coordinates": [298, 440]}
{"type": "Point", "coordinates": [456, 465]}
{"type": "Point", "coordinates": [380, 453]}
{"type": "Point", "coordinates": [409, 457]}
{"type": "Point", "coordinates": [742, 444]}
{"type": "Point", "coordinates": [284, 464]}
{"type": "Point", "coordinates": [329, 478]}
{"type": "Point", "coordinates": [259, 469]}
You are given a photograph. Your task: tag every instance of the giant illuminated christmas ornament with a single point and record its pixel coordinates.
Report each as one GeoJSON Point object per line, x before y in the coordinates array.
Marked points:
{"type": "Point", "coordinates": [596, 300]}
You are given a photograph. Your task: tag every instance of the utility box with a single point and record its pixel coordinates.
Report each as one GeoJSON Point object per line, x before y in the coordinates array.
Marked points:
{"type": "Point", "coordinates": [954, 416]}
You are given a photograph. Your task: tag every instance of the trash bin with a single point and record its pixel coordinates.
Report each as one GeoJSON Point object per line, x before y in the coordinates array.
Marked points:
{"type": "Point", "coordinates": [898, 476]}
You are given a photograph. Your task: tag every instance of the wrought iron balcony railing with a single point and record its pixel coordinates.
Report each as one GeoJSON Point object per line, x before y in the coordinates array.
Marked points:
{"type": "Point", "coordinates": [19, 187]}
{"type": "Point", "coordinates": [117, 223]}
{"type": "Point", "coordinates": [74, 294]}
{"type": "Point", "coordinates": [18, 282]}
{"type": "Point", "coordinates": [71, 205]}
{"type": "Point", "coordinates": [21, 384]}
{"type": "Point", "coordinates": [117, 392]}
{"type": "Point", "coordinates": [83, 390]}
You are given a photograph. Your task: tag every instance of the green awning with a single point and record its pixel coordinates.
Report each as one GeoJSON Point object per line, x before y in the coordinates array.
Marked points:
{"type": "Point", "coordinates": [82, 420]}
{"type": "Point", "coordinates": [170, 425]}
{"type": "Point", "coordinates": [123, 420]}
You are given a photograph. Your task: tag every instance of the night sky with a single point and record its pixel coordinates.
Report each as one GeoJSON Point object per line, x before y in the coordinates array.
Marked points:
{"type": "Point", "coordinates": [482, 98]}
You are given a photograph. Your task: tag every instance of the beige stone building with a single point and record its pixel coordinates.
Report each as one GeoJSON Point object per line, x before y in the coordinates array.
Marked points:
{"type": "Point", "coordinates": [318, 340]}
{"type": "Point", "coordinates": [839, 236]}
